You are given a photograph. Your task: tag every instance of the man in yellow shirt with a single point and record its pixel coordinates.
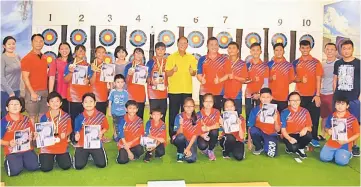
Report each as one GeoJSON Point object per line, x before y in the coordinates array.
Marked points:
{"type": "Point", "coordinates": [180, 68]}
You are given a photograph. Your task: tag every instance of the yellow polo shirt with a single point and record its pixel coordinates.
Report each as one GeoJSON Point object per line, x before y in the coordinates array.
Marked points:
{"type": "Point", "coordinates": [180, 81]}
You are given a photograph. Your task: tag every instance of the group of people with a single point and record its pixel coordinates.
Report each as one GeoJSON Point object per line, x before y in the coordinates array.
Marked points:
{"type": "Point", "coordinates": [329, 90]}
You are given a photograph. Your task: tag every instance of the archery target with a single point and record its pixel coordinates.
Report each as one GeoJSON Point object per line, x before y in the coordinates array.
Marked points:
{"type": "Point", "coordinates": [196, 39]}
{"type": "Point", "coordinates": [167, 37]}
{"type": "Point", "coordinates": [50, 37]}
{"type": "Point", "coordinates": [107, 37]}
{"type": "Point", "coordinates": [109, 58]}
{"type": "Point", "coordinates": [279, 38]}
{"type": "Point", "coordinates": [78, 37]}
{"type": "Point", "coordinates": [309, 38]}
{"type": "Point", "coordinates": [252, 38]}
{"type": "Point", "coordinates": [315, 38]}
{"type": "Point", "coordinates": [50, 56]}
{"type": "Point", "coordinates": [138, 38]}
{"type": "Point", "coordinates": [224, 38]}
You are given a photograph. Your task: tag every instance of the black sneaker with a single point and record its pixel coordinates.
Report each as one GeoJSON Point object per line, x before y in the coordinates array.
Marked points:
{"type": "Point", "coordinates": [301, 153]}
{"type": "Point", "coordinates": [147, 156]}
{"type": "Point", "coordinates": [180, 157]}
{"type": "Point", "coordinates": [355, 150]}
{"type": "Point", "coordinates": [287, 151]}
{"type": "Point", "coordinates": [225, 155]}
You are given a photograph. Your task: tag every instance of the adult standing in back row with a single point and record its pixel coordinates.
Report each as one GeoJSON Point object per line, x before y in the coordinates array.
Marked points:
{"type": "Point", "coordinates": [180, 68]}
{"type": "Point", "coordinates": [34, 73]}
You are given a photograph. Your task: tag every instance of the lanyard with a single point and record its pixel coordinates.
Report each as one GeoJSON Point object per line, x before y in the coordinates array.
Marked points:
{"type": "Point", "coordinates": [160, 66]}
{"type": "Point", "coordinates": [234, 63]}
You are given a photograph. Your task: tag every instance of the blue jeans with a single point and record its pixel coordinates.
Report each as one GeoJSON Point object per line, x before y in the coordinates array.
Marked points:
{"type": "Point", "coordinates": [181, 143]}
{"type": "Point", "coordinates": [341, 156]}
{"type": "Point", "coordinates": [4, 98]}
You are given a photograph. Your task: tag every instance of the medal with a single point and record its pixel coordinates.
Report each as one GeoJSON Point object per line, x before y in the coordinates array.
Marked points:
{"type": "Point", "coordinates": [56, 125]}
{"type": "Point", "coordinates": [73, 65]}
{"type": "Point", "coordinates": [97, 67]}
{"type": "Point", "coordinates": [57, 140]}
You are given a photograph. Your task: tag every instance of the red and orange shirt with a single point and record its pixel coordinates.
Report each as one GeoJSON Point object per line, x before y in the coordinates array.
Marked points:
{"type": "Point", "coordinates": [99, 88]}
{"type": "Point", "coordinates": [63, 121]}
{"type": "Point", "coordinates": [156, 131]}
{"type": "Point", "coordinates": [75, 91]}
{"type": "Point", "coordinates": [189, 127]}
{"type": "Point", "coordinates": [97, 118]}
{"type": "Point", "coordinates": [210, 69]}
{"type": "Point", "coordinates": [307, 68]}
{"type": "Point", "coordinates": [353, 128]}
{"type": "Point", "coordinates": [258, 73]}
{"type": "Point", "coordinates": [254, 120]}
{"type": "Point", "coordinates": [208, 120]}
{"type": "Point", "coordinates": [236, 134]}
{"type": "Point", "coordinates": [130, 129]}
{"type": "Point", "coordinates": [233, 88]}
{"type": "Point", "coordinates": [284, 74]}
{"type": "Point", "coordinates": [295, 121]}
{"type": "Point", "coordinates": [156, 68]}
{"type": "Point", "coordinates": [136, 91]}
{"type": "Point", "coordinates": [9, 127]}
{"type": "Point", "coordinates": [37, 66]}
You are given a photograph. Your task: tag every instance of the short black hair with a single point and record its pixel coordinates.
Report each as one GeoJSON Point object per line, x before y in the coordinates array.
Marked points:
{"type": "Point", "coordinates": [35, 35]}
{"type": "Point", "coordinates": [255, 45]}
{"type": "Point", "coordinates": [88, 95]}
{"type": "Point", "coordinates": [182, 37]}
{"type": "Point", "coordinates": [99, 47]}
{"type": "Point", "coordinates": [234, 43]}
{"type": "Point", "coordinates": [52, 95]}
{"type": "Point", "coordinates": [292, 94]}
{"type": "Point", "coordinates": [131, 103]}
{"type": "Point", "coordinates": [78, 47]}
{"type": "Point", "coordinates": [208, 95]}
{"type": "Point", "coordinates": [138, 49]}
{"type": "Point", "coordinates": [212, 39]}
{"type": "Point", "coordinates": [341, 99]}
{"type": "Point", "coordinates": [331, 44]}
{"type": "Point", "coordinates": [21, 101]}
{"type": "Point", "coordinates": [346, 42]}
{"type": "Point", "coordinates": [229, 100]}
{"type": "Point", "coordinates": [120, 48]}
{"type": "Point", "coordinates": [305, 43]}
{"type": "Point", "coordinates": [156, 110]}
{"type": "Point", "coordinates": [119, 76]}
{"type": "Point", "coordinates": [159, 44]}
{"type": "Point", "coordinates": [265, 90]}
{"type": "Point", "coordinates": [278, 44]}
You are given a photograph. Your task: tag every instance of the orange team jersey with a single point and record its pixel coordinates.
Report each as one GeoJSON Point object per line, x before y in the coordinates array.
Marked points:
{"type": "Point", "coordinates": [210, 69]}
{"type": "Point", "coordinates": [209, 120]}
{"type": "Point", "coordinates": [257, 72]}
{"type": "Point", "coordinates": [254, 120]}
{"type": "Point", "coordinates": [284, 73]}
{"type": "Point", "coordinates": [158, 131]}
{"type": "Point", "coordinates": [37, 67]}
{"type": "Point", "coordinates": [233, 88]}
{"type": "Point", "coordinates": [295, 121]}
{"type": "Point", "coordinates": [9, 127]}
{"type": "Point", "coordinates": [99, 88]}
{"type": "Point", "coordinates": [353, 128]}
{"type": "Point", "coordinates": [236, 134]}
{"type": "Point", "coordinates": [153, 71]}
{"type": "Point", "coordinates": [75, 91]}
{"type": "Point", "coordinates": [64, 126]}
{"type": "Point", "coordinates": [136, 91]}
{"type": "Point", "coordinates": [130, 130]}
{"type": "Point", "coordinates": [308, 68]}
{"type": "Point", "coordinates": [97, 118]}
{"type": "Point", "coordinates": [189, 130]}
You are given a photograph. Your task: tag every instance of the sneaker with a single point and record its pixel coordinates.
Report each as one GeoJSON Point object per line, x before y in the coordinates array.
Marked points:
{"type": "Point", "coordinates": [355, 150]}
{"type": "Point", "coordinates": [258, 152]}
{"type": "Point", "coordinates": [301, 153]}
{"type": "Point", "coordinates": [90, 157]}
{"type": "Point", "coordinates": [205, 152]}
{"type": "Point", "coordinates": [180, 157]}
{"type": "Point", "coordinates": [287, 151]}
{"type": "Point", "coordinates": [211, 155]}
{"type": "Point", "coordinates": [315, 143]}
{"type": "Point", "coordinates": [147, 157]}
{"type": "Point", "coordinates": [225, 155]}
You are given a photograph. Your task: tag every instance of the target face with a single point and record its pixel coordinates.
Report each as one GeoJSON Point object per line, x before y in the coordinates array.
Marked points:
{"type": "Point", "coordinates": [137, 38]}
{"type": "Point", "coordinates": [107, 37]}
{"type": "Point", "coordinates": [109, 58]}
{"type": "Point", "coordinates": [252, 38]}
{"type": "Point", "coordinates": [166, 55]}
{"type": "Point", "coordinates": [248, 58]}
{"type": "Point", "coordinates": [50, 56]}
{"type": "Point", "coordinates": [279, 38]}
{"type": "Point", "coordinates": [78, 37]}
{"type": "Point", "coordinates": [131, 58]}
{"type": "Point", "coordinates": [224, 38]}
{"type": "Point", "coordinates": [309, 38]}
{"type": "Point", "coordinates": [50, 37]}
{"type": "Point", "coordinates": [195, 39]}
{"type": "Point", "coordinates": [197, 56]}
{"type": "Point", "coordinates": [167, 37]}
